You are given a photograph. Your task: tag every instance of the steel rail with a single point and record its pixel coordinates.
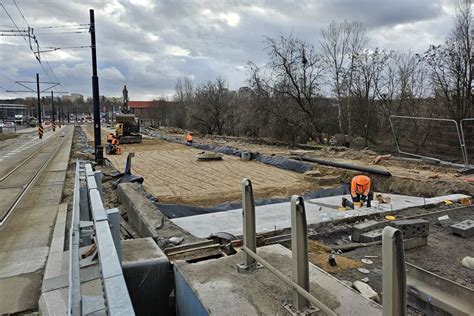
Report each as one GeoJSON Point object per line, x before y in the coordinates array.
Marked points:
{"type": "Point", "coordinates": [30, 183]}
{"type": "Point", "coordinates": [25, 160]}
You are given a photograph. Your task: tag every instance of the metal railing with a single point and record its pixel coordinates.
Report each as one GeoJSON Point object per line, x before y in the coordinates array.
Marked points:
{"type": "Point", "coordinates": [300, 275]}
{"type": "Point", "coordinates": [394, 274]}
{"type": "Point", "coordinates": [105, 230]}
{"type": "Point", "coordinates": [467, 133]}
{"type": "Point", "coordinates": [431, 138]}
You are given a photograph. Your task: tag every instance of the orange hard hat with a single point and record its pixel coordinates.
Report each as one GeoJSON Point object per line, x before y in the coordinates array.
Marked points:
{"type": "Point", "coordinates": [362, 180]}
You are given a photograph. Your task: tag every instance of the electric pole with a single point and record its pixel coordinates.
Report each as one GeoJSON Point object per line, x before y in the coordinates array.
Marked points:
{"type": "Point", "coordinates": [95, 93]}
{"type": "Point", "coordinates": [52, 111]}
{"type": "Point", "coordinates": [40, 126]}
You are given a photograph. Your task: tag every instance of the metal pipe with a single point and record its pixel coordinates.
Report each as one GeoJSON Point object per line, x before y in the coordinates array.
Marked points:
{"type": "Point", "coordinates": [290, 283]}
{"type": "Point", "coordinates": [345, 166]}
{"type": "Point", "coordinates": [394, 275]}
{"type": "Point", "coordinates": [249, 226]}
{"type": "Point", "coordinates": [299, 250]}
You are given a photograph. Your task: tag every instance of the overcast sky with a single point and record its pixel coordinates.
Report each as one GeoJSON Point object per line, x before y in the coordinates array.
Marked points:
{"type": "Point", "coordinates": [147, 44]}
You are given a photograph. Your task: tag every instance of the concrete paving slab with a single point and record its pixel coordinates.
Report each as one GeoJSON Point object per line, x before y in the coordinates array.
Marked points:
{"type": "Point", "coordinates": [22, 261]}
{"type": "Point", "coordinates": [26, 238]}
{"type": "Point", "coordinates": [277, 216]}
{"type": "Point", "coordinates": [215, 286]}
{"type": "Point", "coordinates": [19, 293]}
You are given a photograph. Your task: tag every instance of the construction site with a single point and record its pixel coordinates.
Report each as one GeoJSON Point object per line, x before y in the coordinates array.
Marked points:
{"type": "Point", "coordinates": [230, 225]}
{"type": "Point", "coordinates": [337, 180]}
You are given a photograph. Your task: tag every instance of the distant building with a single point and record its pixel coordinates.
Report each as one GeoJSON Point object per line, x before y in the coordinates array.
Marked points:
{"type": "Point", "coordinates": [74, 97]}
{"type": "Point", "coordinates": [157, 112]}
{"type": "Point", "coordinates": [13, 113]}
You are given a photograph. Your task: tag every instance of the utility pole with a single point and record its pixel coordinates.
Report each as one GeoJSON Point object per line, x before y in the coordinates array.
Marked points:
{"type": "Point", "coordinates": [99, 155]}
{"type": "Point", "coordinates": [40, 126]}
{"type": "Point", "coordinates": [52, 111]}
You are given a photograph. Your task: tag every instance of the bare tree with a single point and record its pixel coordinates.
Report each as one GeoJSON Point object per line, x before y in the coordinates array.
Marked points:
{"type": "Point", "coordinates": [368, 70]}
{"type": "Point", "coordinates": [292, 77]}
{"type": "Point", "coordinates": [340, 43]}
{"type": "Point", "coordinates": [451, 66]}
{"type": "Point", "coordinates": [184, 94]}
{"type": "Point", "coordinates": [210, 110]}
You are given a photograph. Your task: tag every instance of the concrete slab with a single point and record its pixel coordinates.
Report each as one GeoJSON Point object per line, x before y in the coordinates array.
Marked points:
{"type": "Point", "coordinates": [215, 287]}
{"type": "Point", "coordinates": [19, 293]}
{"type": "Point", "coordinates": [26, 238]}
{"type": "Point", "coordinates": [318, 211]}
{"type": "Point", "coordinates": [22, 261]}
{"type": "Point", "coordinates": [147, 273]}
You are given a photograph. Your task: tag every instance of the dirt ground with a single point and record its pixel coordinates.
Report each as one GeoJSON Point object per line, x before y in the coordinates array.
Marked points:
{"type": "Point", "coordinates": [173, 174]}
{"type": "Point", "coordinates": [442, 255]}
{"type": "Point", "coordinates": [408, 177]}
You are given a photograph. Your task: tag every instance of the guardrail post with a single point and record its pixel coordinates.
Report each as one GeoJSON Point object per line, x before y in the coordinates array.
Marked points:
{"type": "Point", "coordinates": [249, 226]}
{"type": "Point", "coordinates": [114, 221]}
{"type": "Point", "coordinates": [299, 249]}
{"type": "Point", "coordinates": [394, 274]}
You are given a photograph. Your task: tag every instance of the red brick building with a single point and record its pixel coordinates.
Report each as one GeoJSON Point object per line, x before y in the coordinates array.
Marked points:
{"type": "Point", "coordinates": [156, 112]}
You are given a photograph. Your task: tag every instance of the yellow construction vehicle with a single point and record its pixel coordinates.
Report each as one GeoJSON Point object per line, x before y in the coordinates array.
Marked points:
{"type": "Point", "coordinates": [127, 127]}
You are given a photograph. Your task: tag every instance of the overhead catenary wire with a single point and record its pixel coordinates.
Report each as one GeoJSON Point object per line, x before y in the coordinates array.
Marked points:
{"type": "Point", "coordinates": [21, 13]}
{"type": "Point", "coordinates": [27, 41]}
{"type": "Point", "coordinates": [80, 26]}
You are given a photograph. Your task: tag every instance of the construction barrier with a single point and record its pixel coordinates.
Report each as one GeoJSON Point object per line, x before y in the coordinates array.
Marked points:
{"type": "Point", "coordinates": [467, 133]}
{"type": "Point", "coordinates": [424, 137]}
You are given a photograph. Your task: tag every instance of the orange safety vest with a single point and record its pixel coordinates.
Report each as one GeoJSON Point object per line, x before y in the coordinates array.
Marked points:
{"type": "Point", "coordinates": [189, 138]}
{"type": "Point", "coordinates": [360, 185]}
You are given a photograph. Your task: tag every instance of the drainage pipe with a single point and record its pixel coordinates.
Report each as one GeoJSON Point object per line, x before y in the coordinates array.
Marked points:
{"type": "Point", "coordinates": [344, 165]}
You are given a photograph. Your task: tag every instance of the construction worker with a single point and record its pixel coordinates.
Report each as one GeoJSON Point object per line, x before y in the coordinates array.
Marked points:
{"type": "Point", "coordinates": [113, 147]}
{"type": "Point", "coordinates": [360, 190]}
{"type": "Point", "coordinates": [110, 137]}
{"type": "Point", "coordinates": [189, 138]}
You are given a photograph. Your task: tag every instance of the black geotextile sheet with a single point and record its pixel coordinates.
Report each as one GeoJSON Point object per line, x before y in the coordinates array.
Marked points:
{"type": "Point", "coordinates": [279, 162]}
{"type": "Point", "coordinates": [180, 210]}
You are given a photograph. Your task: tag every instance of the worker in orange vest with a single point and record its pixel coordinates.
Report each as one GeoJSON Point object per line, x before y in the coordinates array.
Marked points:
{"type": "Point", "coordinates": [189, 138]}
{"type": "Point", "coordinates": [360, 190]}
{"type": "Point", "coordinates": [113, 147]}
{"type": "Point", "coordinates": [110, 137]}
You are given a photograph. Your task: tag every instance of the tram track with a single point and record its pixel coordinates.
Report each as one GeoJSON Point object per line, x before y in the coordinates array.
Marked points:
{"type": "Point", "coordinates": [38, 161]}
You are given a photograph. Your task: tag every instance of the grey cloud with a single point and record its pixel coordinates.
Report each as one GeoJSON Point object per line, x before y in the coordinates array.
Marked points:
{"type": "Point", "coordinates": [150, 48]}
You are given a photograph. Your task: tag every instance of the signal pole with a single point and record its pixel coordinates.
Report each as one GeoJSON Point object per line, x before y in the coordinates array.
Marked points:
{"type": "Point", "coordinates": [99, 154]}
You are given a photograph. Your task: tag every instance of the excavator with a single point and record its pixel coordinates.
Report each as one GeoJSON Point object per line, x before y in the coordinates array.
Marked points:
{"type": "Point", "coordinates": [127, 127]}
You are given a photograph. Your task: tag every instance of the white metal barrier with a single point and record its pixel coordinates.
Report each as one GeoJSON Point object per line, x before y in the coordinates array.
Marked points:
{"type": "Point", "coordinates": [425, 137]}
{"type": "Point", "coordinates": [105, 230]}
{"type": "Point", "coordinates": [467, 133]}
